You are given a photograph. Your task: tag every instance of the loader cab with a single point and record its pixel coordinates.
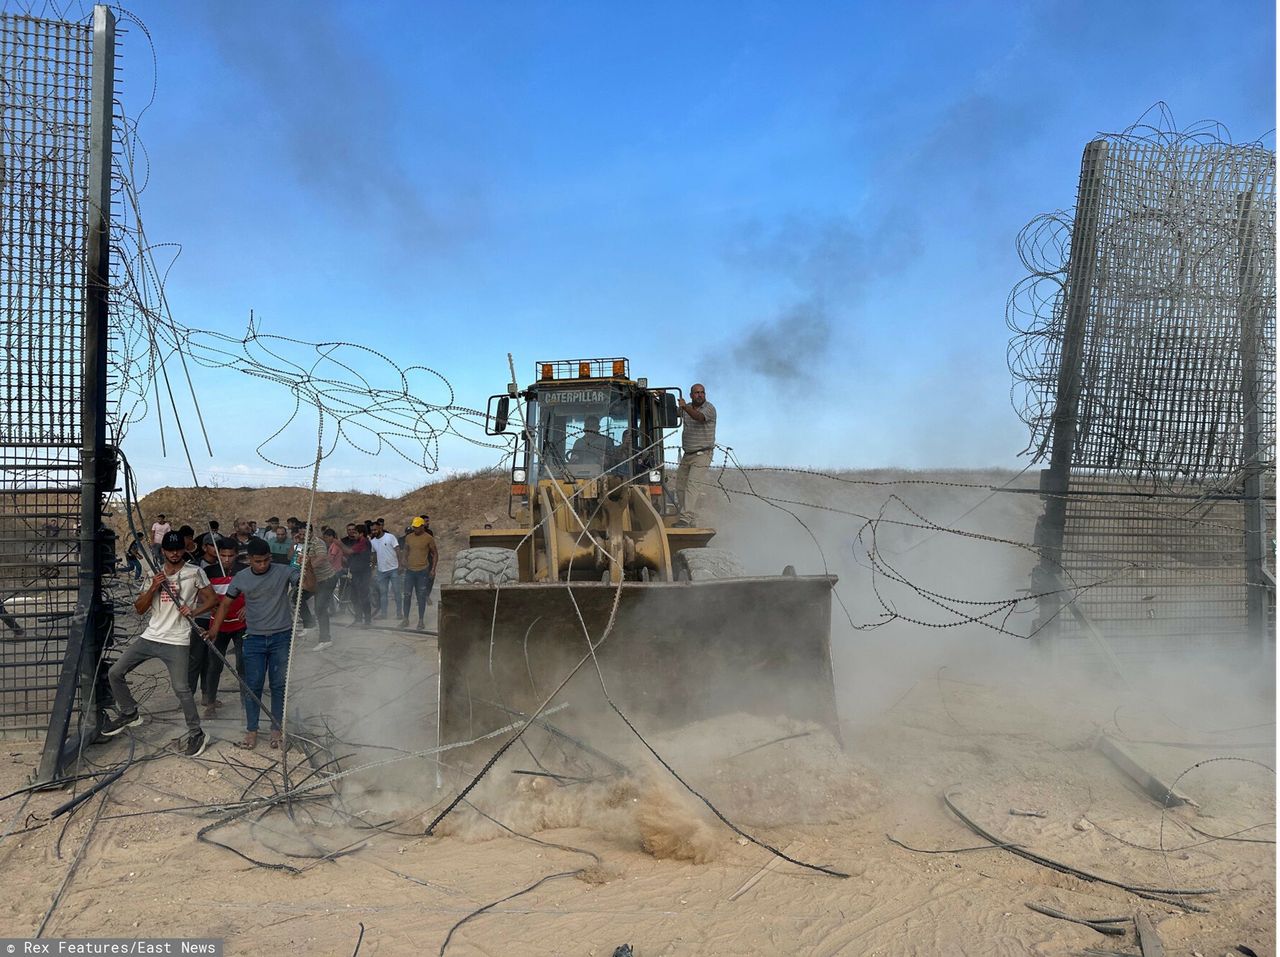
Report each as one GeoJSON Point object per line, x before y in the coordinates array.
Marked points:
{"type": "Point", "coordinates": [581, 431]}
{"type": "Point", "coordinates": [583, 419]}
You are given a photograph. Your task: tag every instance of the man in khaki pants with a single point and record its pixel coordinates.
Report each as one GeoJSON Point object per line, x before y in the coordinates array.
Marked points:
{"type": "Point", "coordinates": [698, 442]}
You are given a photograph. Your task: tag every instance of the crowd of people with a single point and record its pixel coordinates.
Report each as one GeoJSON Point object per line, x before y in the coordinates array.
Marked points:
{"type": "Point", "coordinates": [214, 593]}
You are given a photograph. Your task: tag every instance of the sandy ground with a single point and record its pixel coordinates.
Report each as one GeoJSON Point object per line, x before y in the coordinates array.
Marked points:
{"type": "Point", "coordinates": [631, 857]}
{"type": "Point", "coordinates": [141, 870]}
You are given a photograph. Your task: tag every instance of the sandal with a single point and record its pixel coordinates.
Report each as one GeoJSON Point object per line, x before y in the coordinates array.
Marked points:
{"type": "Point", "coordinates": [249, 741]}
{"type": "Point", "coordinates": [275, 739]}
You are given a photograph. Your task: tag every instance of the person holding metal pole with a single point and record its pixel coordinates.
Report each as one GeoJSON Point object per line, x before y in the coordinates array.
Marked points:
{"type": "Point", "coordinates": [184, 593]}
{"type": "Point", "coordinates": [268, 635]}
{"type": "Point", "coordinates": [208, 658]}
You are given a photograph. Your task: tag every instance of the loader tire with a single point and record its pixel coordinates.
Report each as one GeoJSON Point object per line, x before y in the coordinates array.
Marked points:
{"type": "Point", "coordinates": [706, 564]}
{"type": "Point", "coordinates": [486, 566]}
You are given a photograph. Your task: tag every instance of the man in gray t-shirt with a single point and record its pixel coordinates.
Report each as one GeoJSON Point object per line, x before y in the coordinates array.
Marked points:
{"type": "Point", "coordinates": [266, 596]}
{"type": "Point", "coordinates": [698, 442]}
{"type": "Point", "coordinates": [268, 631]}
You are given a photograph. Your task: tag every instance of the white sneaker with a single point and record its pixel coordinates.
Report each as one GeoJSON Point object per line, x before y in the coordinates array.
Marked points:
{"type": "Point", "coordinates": [323, 645]}
{"type": "Point", "coordinates": [300, 632]}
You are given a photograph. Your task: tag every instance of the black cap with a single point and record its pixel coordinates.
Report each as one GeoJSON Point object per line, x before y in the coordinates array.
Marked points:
{"type": "Point", "coordinates": [174, 541]}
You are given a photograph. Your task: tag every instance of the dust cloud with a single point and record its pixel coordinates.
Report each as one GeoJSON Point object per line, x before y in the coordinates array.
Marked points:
{"type": "Point", "coordinates": [909, 672]}
{"type": "Point", "coordinates": [899, 617]}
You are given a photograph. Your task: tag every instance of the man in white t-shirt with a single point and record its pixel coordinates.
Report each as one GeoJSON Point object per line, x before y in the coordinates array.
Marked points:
{"type": "Point", "coordinates": [159, 529]}
{"type": "Point", "coordinates": [178, 593]}
{"type": "Point", "coordinates": [386, 549]}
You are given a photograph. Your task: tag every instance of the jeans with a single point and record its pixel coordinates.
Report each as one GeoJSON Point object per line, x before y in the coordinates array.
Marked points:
{"type": "Point", "coordinates": [388, 584]}
{"type": "Point", "coordinates": [135, 566]}
{"type": "Point", "coordinates": [324, 604]}
{"type": "Point", "coordinates": [416, 583]}
{"type": "Point", "coordinates": [265, 655]}
{"type": "Point", "coordinates": [174, 657]}
{"type": "Point", "coordinates": [360, 607]}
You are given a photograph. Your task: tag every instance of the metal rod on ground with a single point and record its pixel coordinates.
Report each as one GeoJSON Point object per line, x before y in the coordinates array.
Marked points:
{"type": "Point", "coordinates": [551, 729]}
{"type": "Point", "coordinates": [758, 876]}
{"type": "Point", "coordinates": [1148, 940]}
{"type": "Point", "coordinates": [1101, 925]}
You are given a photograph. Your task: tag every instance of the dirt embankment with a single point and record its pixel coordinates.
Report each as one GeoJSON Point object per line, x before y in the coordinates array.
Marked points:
{"type": "Point", "coordinates": [455, 505]}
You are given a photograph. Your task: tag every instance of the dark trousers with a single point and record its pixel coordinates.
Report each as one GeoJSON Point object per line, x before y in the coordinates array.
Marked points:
{"type": "Point", "coordinates": [416, 583]}
{"type": "Point", "coordinates": [135, 566]}
{"type": "Point", "coordinates": [265, 656]}
{"type": "Point", "coordinates": [360, 599]}
{"type": "Point", "coordinates": [204, 670]}
{"type": "Point", "coordinates": [305, 618]}
{"type": "Point", "coordinates": [324, 604]}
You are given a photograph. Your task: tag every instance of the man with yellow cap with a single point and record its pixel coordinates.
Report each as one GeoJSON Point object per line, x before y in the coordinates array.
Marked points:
{"type": "Point", "coordinates": [420, 555]}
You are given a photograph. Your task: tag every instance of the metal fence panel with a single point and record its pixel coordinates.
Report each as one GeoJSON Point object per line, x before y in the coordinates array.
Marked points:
{"type": "Point", "coordinates": [1153, 342]}
{"type": "Point", "coordinates": [44, 145]}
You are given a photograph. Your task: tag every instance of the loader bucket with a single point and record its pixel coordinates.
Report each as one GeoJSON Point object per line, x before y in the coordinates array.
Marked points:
{"type": "Point", "coordinates": [677, 653]}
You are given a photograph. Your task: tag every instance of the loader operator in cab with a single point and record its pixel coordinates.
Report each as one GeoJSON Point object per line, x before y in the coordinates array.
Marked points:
{"type": "Point", "coordinates": [697, 441]}
{"type": "Point", "coordinates": [592, 446]}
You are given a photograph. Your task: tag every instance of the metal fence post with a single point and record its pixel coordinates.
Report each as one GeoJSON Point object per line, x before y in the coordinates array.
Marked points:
{"type": "Point", "coordinates": [1054, 481]}
{"type": "Point", "coordinates": [92, 618]}
{"type": "Point", "coordinates": [1255, 516]}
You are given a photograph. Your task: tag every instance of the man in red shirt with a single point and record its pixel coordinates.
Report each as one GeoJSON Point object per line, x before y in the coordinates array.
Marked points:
{"type": "Point", "coordinates": [206, 666]}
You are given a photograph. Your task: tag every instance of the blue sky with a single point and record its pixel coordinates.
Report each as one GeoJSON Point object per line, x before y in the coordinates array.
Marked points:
{"type": "Point", "coordinates": [811, 208]}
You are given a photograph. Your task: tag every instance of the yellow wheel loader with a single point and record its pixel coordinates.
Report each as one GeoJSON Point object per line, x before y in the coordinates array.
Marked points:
{"type": "Point", "coordinates": [687, 635]}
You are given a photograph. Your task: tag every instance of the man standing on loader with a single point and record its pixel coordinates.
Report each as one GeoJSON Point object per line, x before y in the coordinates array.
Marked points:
{"type": "Point", "coordinates": [698, 442]}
